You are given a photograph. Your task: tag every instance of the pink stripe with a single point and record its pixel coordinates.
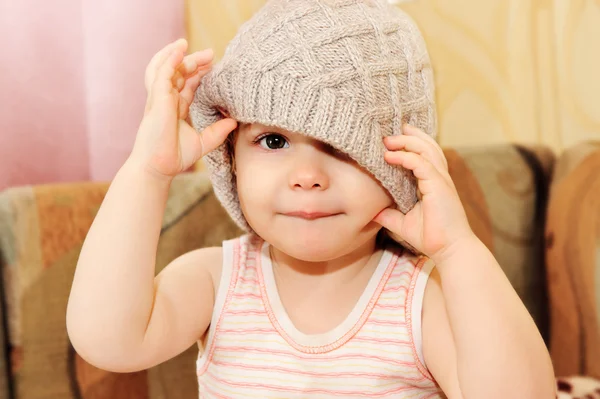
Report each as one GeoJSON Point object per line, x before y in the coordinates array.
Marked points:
{"type": "Point", "coordinates": [336, 392]}
{"type": "Point", "coordinates": [395, 306]}
{"type": "Point", "coordinates": [248, 280]}
{"type": "Point", "coordinates": [402, 271]}
{"type": "Point", "coordinates": [433, 395]}
{"type": "Point", "coordinates": [376, 328]}
{"type": "Point", "coordinates": [385, 322]}
{"type": "Point", "coordinates": [380, 376]}
{"type": "Point", "coordinates": [246, 295]}
{"type": "Point", "coordinates": [381, 340]}
{"type": "Point", "coordinates": [394, 288]}
{"type": "Point", "coordinates": [246, 312]}
{"type": "Point", "coordinates": [320, 358]}
{"type": "Point", "coordinates": [248, 330]}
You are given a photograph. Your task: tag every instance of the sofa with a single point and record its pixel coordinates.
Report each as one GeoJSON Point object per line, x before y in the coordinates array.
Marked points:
{"type": "Point", "coordinates": [537, 211]}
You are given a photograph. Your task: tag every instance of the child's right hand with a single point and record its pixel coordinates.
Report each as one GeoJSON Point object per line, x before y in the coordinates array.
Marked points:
{"type": "Point", "coordinates": [166, 144]}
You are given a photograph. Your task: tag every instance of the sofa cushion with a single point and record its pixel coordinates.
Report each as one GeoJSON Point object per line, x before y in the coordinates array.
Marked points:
{"type": "Point", "coordinates": [504, 189]}
{"type": "Point", "coordinates": [42, 229]}
{"type": "Point", "coordinates": [573, 261]}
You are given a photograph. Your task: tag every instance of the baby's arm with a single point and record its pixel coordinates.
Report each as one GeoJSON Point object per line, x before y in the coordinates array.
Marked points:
{"type": "Point", "coordinates": [479, 340]}
{"type": "Point", "coordinates": [119, 317]}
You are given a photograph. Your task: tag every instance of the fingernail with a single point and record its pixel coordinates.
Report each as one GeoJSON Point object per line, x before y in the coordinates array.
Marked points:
{"type": "Point", "coordinates": [206, 52]}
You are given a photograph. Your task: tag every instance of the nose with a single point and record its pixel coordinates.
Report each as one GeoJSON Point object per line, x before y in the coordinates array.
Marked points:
{"type": "Point", "coordinates": [309, 173]}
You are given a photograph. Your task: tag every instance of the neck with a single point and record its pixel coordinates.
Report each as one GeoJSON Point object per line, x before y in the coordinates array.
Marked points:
{"type": "Point", "coordinates": [344, 268]}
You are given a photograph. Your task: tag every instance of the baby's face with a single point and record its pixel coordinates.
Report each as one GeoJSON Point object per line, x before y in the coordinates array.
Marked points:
{"type": "Point", "coordinates": [302, 196]}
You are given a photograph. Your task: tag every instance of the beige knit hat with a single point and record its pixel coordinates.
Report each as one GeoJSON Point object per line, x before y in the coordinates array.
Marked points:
{"type": "Point", "coordinates": [345, 72]}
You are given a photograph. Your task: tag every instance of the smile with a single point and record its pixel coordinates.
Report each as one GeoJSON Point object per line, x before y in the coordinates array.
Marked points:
{"type": "Point", "coordinates": [310, 215]}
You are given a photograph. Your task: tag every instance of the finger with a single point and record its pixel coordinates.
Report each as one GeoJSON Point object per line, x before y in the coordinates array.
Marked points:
{"type": "Point", "coordinates": [215, 134]}
{"type": "Point", "coordinates": [192, 83]}
{"type": "Point", "coordinates": [389, 218]}
{"type": "Point", "coordinates": [192, 62]}
{"type": "Point", "coordinates": [392, 221]}
{"type": "Point", "coordinates": [178, 81]}
{"type": "Point", "coordinates": [415, 131]}
{"type": "Point", "coordinates": [186, 96]}
{"type": "Point", "coordinates": [427, 175]}
{"type": "Point", "coordinates": [158, 59]}
{"type": "Point", "coordinates": [417, 145]}
{"type": "Point", "coordinates": [163, 83]}
{"type": "Point", "coordinates": [190, 65]}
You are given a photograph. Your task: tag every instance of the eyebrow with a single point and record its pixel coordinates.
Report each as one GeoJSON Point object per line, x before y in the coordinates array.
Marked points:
{"type": "Point", "coordinates": [256, 128]}
{"type": "Point", "coordinates": [247, 129]}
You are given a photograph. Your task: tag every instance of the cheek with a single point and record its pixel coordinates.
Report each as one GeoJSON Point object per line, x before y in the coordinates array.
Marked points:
{"type": "Point", "coordinates": [254, 181]}
{"type": "Point", "coordinates": [368, 195]}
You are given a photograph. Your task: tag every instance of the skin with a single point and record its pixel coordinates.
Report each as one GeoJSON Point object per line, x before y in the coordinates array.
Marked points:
{"type": "Point", "coordinates": [479, 340]}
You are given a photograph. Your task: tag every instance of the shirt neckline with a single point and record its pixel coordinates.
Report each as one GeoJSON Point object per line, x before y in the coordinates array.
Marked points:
{"type": "Point", "coordinates": [336, 337]}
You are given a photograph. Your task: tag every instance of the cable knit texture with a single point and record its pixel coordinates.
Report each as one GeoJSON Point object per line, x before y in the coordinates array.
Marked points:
{"type": "Point", "coordinates": [346, 72]}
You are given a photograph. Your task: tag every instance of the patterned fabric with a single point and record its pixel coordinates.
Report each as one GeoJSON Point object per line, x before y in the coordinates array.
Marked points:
{"type": "Point", "coordinates": [504, 189]}
{"type": "Point", "coordinates": [5, 382]}
{"type": "Point", "coordinates": [254, 349]}
{"type": "Point", "coordinates": [573, 256]}
{"type": "Point", "coordinates": [346, 72]}
{"type": "Point", "coordinates": [578, 388]}
{"type": "Point", "coordinates": [42, 229]}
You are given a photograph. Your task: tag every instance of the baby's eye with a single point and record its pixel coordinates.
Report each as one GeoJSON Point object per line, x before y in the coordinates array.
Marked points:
{"type": "Point", "coordinates": [273, 142]}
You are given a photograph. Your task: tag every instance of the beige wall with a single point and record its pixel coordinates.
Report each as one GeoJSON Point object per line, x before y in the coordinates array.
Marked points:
{"type": "Point", "coordinates": [506, 70]}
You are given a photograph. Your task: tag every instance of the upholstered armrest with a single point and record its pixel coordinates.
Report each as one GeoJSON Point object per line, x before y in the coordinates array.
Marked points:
{"type": "Point", "coordinates": [42, 229]}
{"type": "Point", "coordinates": [504, 190]}
{"type": "Point", "coordinates": [573, 258]}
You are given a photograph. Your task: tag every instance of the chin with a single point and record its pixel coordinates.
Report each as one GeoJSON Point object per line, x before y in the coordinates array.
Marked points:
{"type": "Point", "coordinates": [315, 242]}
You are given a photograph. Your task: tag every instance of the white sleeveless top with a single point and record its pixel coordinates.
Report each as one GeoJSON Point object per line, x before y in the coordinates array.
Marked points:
{"type": "Point", "coordinates": [253, 350]}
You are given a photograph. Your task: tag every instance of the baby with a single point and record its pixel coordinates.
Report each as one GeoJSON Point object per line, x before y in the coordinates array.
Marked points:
{"type": "Point", "coordinates": [358, 275]}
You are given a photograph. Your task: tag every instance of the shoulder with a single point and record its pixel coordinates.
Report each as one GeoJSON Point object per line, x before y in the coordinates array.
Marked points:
{"type": "Point", "coordinates": [194, 265]}
{"type": "Point", "coordinates": [208, 260]}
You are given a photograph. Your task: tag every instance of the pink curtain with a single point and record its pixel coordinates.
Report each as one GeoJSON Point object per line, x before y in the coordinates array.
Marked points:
{"type": "Point", "coordinates": [72, 84]}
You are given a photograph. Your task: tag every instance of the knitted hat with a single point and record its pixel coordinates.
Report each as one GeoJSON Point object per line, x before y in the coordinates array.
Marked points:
{"type": "Point", "coordinates": [345, 72]}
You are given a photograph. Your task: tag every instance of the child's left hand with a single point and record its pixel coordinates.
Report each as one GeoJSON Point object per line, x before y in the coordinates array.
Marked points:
{"type": "Point", "coordinates": [438, 219]}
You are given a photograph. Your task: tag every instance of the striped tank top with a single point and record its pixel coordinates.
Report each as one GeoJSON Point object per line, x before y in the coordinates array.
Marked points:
{"type": "Point", "coordinates": [253, 350]}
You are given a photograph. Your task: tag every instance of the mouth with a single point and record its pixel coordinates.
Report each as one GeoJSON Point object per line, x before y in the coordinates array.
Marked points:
{"type": "Point", "coordinates": [310, 215]}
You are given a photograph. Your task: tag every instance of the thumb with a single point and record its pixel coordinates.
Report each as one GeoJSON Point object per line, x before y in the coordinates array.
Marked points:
{"type": "Point", "coordinates": [215, 134]}
{"type": "Point", "coordinates": [391, 219]}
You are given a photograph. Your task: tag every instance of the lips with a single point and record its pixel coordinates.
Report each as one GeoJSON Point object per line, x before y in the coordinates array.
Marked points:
{"type": "Point", "coordinates": [310, 215]}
